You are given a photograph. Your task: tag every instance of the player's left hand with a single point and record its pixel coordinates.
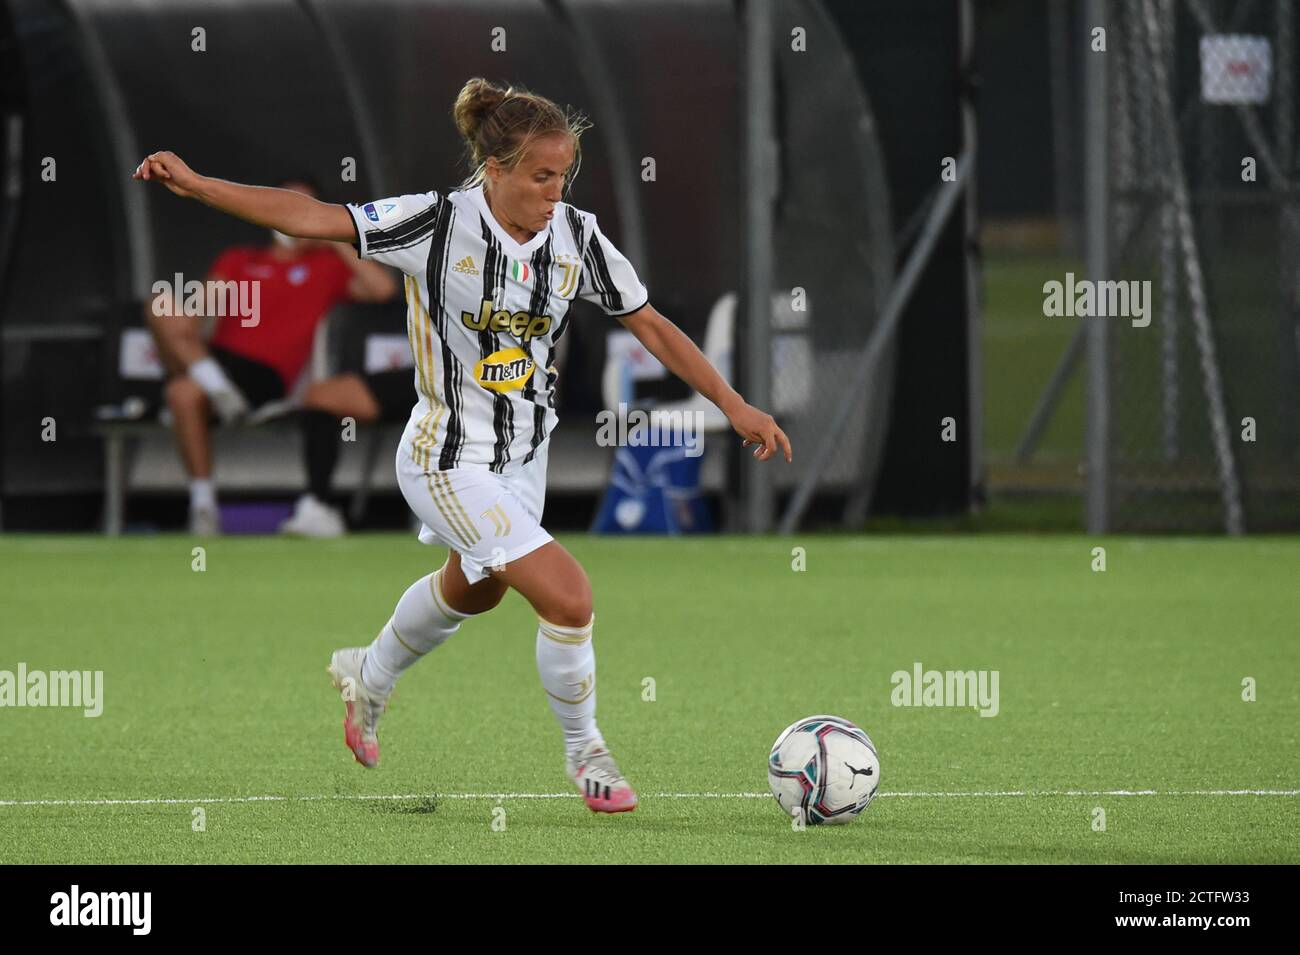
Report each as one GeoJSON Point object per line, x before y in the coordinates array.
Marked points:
{"type": "Point", "coordinates": [760, 429]}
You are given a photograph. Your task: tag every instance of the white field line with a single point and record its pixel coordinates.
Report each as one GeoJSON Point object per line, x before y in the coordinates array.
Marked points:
{"type": "Point", "coordinates": [1004, 794]}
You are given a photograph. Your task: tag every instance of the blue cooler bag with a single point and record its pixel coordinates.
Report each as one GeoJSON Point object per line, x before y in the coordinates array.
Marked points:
{"type": "Point", "coordinates": [653, 490]}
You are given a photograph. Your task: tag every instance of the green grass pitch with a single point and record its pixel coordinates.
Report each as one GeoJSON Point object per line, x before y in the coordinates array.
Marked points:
{"type": "Point", "coordinates": [216, 695]}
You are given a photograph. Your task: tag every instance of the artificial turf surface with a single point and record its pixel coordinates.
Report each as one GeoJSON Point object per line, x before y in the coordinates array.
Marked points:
{"type": "Point", "coordinates": [215, 693]}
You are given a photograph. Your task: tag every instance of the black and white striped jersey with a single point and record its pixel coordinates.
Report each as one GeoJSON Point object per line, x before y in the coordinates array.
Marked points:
{"type": "Point", "coordinates": [484, 315]}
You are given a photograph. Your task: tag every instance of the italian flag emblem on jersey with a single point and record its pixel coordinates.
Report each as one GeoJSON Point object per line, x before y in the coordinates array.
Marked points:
{"type": "Point", "coordinates": [520, 271]}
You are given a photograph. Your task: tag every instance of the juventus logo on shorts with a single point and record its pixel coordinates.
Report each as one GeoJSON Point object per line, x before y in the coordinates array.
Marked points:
{"type": "Point", "coordinates": [500, 522]}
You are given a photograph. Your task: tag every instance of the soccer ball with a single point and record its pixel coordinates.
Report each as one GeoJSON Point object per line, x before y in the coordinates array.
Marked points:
{"type": "Point", "coordinates": [824, 767]}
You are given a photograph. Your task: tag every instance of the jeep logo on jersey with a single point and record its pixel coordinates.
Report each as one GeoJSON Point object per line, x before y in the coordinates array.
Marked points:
{"type": "Point", "coordinates": [506, 370]}
{"type": "Point", "coordinates": [523, 326]}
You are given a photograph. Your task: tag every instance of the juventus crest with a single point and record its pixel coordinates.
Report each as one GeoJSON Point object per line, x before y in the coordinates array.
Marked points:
{"type": "Point", "coordinates": [571, 266]}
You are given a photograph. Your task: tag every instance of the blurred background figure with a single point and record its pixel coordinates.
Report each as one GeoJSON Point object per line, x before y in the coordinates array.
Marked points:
{"type": "Point", "coordinates": [382, 396]}
{"type": "Point", "coordinates": [248, 363]}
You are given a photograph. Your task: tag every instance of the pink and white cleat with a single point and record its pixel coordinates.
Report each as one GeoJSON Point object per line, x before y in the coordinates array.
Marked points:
{"type": "Point", "coordinates": [596, 775]}
{"type": "Point", "coordinates": [363, 708]}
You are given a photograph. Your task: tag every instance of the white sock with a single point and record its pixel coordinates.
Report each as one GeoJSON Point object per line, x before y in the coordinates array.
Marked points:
{"type": "Point", "coordinates": [203, 495]}
{"type": "Point", "coordinates": [209, 376]}
{"type": "Point", "coordinates": [421, 622]}
{"type": "Point", "coordinates": [567, 665]}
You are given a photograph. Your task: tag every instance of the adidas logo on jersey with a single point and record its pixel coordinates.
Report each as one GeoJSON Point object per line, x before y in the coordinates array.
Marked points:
{"type": "Point", "coordinates": [465, 265]}
{"type": "Point", "coordinates": [506, 370]}
{"type": "Point", "coordinates": [523, 326]}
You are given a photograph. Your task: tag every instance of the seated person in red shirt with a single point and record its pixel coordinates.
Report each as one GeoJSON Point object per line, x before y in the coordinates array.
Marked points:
{"type": "Point", "coordinates": [244, 366]}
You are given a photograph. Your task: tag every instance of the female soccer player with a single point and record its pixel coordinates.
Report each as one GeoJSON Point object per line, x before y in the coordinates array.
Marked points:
{"type": "Point", "coordinates": [491, 270]}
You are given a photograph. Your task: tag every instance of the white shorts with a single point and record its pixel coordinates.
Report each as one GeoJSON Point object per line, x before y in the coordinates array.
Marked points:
{"type": "Point", "coordinates": [489, 519]}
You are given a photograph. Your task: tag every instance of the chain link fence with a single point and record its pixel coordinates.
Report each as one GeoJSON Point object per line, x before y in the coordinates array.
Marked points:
{"type": "Point", "coordinates": [1203, 205]}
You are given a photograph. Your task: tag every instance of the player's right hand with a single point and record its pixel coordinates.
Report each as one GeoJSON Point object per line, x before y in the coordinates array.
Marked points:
{"type": "Point", "coordinates": [169, 169]}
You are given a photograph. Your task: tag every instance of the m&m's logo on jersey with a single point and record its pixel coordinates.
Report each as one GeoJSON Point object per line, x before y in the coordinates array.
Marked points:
{"type": "Point", "coordinates": [522, 325]}
{"type": "Point", "coordinates": [379, 211]}
{"type": "Point", "coordinates": [506, 370]}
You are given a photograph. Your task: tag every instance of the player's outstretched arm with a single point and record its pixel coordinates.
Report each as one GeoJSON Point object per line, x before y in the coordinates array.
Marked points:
{"type": "Point", "coordinates": [283, 209]}
{"type": "Point", "coordinates": [674, 348]}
